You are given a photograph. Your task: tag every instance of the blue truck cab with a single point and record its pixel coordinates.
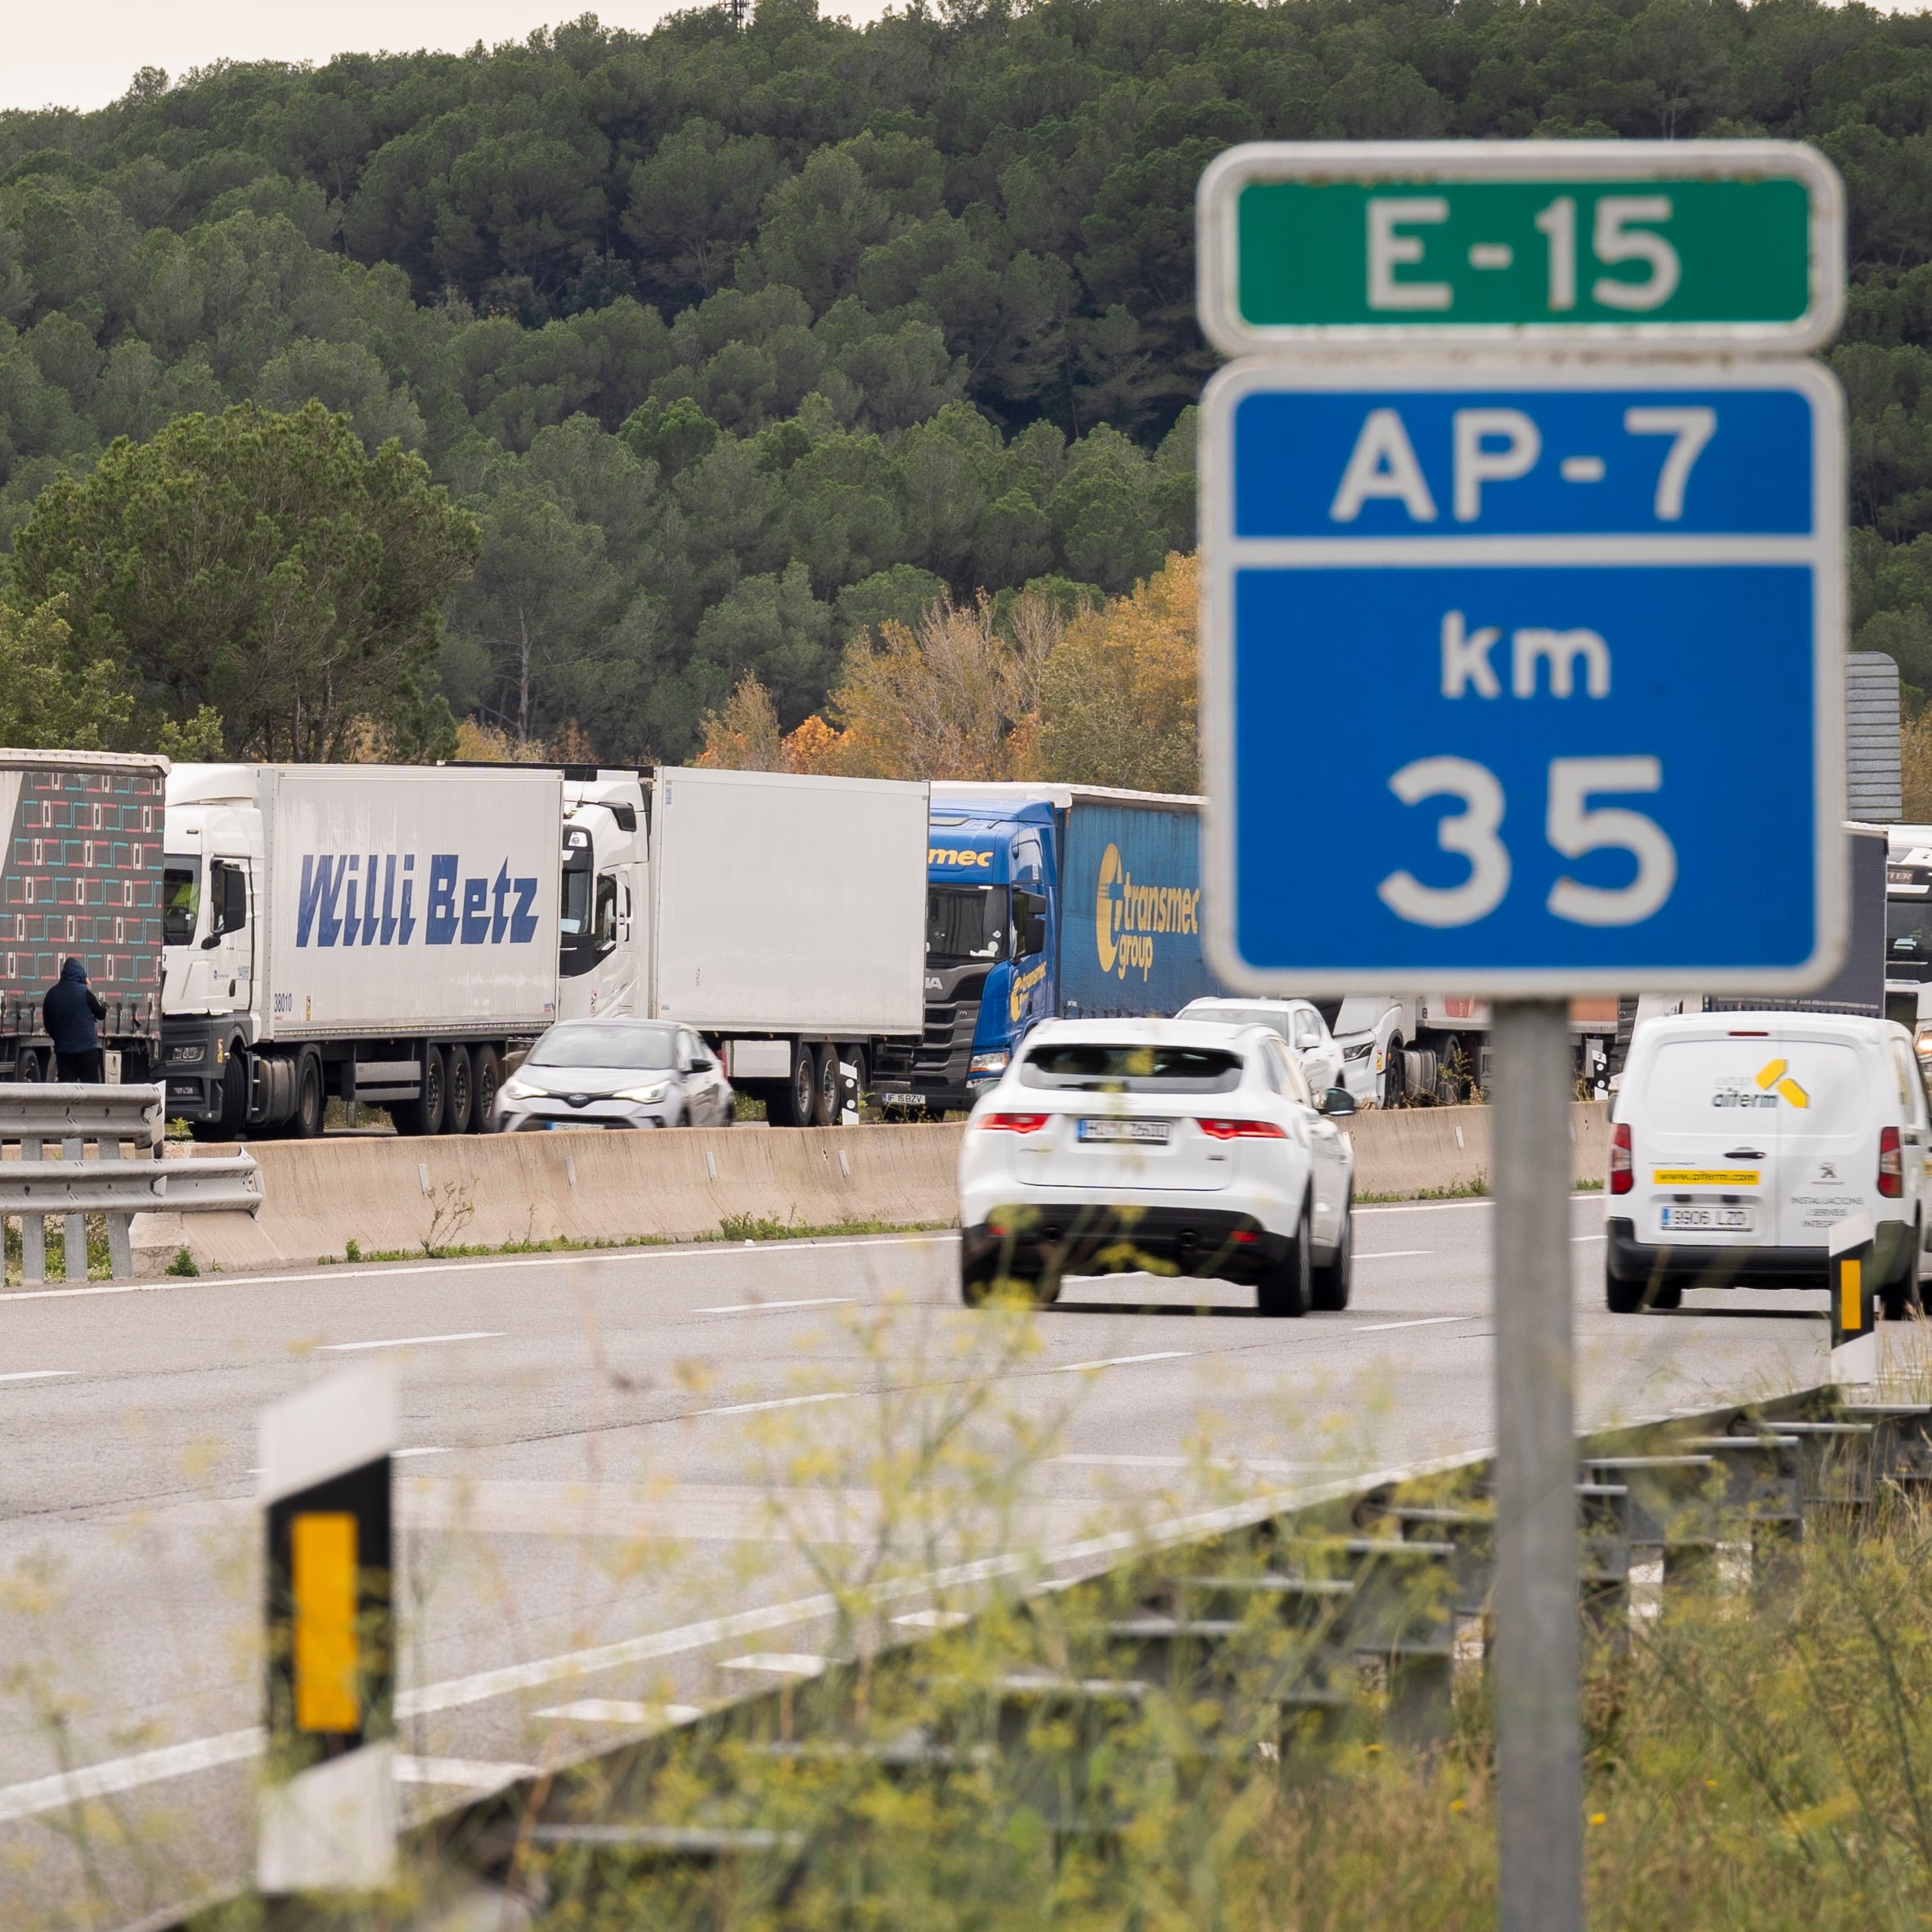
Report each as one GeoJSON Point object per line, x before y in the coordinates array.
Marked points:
{"type": "Point", "coordinates": [1045, 901]}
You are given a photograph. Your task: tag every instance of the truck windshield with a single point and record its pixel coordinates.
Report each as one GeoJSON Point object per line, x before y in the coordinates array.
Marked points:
{"type": "Point", "coordinates": [576, 901]}
{"type": "Point", "coordinates": [1908, 938]}
{"type": "Point", "coordinates": [964, 922]}
{"type": "Point", "coordinates": [180, 899]}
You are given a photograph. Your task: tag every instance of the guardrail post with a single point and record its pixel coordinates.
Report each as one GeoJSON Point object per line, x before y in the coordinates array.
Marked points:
{"type": "Point", "coordinates": [120, 1247]}
{"type": "Point", "coordinates": [33, 1228]}
{"type": "Point", "coordinates": [326, 1814]}
{"type": "Point", "coordinates": [1533, 1672]}
{"type": "Point", "coordinates": [73, 1230]}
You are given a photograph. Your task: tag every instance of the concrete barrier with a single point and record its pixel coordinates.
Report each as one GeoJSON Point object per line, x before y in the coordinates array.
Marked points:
{"type": "Point", "coordinates": [487, 1191]}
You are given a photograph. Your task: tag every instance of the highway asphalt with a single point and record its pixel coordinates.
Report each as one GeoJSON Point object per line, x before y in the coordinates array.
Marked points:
{"type": "Point", "coordinates": [627, 1479]}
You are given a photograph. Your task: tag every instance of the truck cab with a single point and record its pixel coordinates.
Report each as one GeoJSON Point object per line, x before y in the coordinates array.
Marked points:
{"type": "Point", "coordinates": [989, 946]}
{"type": "Point", "coordinates": [605, 908]}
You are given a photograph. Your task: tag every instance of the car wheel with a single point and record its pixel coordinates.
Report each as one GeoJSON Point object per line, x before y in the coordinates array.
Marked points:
{"type": "Point", "coordinates": [1632, 1297]}
{"type": "Point", "coordinates": [1286, 1286]}
{"type": "Point", "coordinates": [1331, 1280]}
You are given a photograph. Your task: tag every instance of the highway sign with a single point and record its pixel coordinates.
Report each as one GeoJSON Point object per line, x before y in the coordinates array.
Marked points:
{"type": "Point", "coordinates": [1524, 681]}
{"type": "Point", "coordinates": [1719, 244]}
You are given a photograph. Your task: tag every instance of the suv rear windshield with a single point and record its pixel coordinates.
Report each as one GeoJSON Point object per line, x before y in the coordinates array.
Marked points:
{"type": "Point", "coordinates": [1132, 1069]}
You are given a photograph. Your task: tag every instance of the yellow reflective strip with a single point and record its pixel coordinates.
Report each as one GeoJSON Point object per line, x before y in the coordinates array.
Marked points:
{"type": "Point", "coordinates": [1851, 1308]}
{"type": "Point", "coordinates": [322, 1557]}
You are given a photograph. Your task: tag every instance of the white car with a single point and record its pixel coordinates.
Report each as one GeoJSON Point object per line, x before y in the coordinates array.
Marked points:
{"type": "Point", "coordinates": [1298, 1022]}
{"type": "Point", "coordinates": [1170, 1146]}
{"type": "Point", "coordinates": [1740, 1139]}
{"type": "Point", "coordinates": [616, 1073]}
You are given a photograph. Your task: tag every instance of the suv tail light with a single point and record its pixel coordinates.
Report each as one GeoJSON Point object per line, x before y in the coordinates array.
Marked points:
{"type": "Point", "coordinates": [1891, 1164]}
{"type": "Point", "coordinates": [1242, 1130]}
{"type": "Point", "coordinates": [1015, 1123]}
{"type": "Point", "coordinates": [1623, 1174]}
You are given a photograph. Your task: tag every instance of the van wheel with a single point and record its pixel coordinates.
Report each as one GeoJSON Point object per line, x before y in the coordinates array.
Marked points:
{"type": "Point", "coordinates": [1900, 1300]}
{"type": "Point", "coordinates": [1286, 1286]}
{"type": "Point", "coordinates": [1331, 1280]}
{"type": "Point", "coordinates": [1623, 1298]}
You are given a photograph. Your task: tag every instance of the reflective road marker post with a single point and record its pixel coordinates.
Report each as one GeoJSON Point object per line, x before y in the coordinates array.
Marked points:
{"type": "Point", "coordinates": [1855, 1318]}
{"type": "Point", "coordinates": [327, 1813]}
{"type": "Point", "coordinates": [1532, 507]}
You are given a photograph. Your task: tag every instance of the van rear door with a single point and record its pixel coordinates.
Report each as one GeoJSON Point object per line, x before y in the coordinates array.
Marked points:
{"type": "Point", "coordinates": [1831, 1094]}
{"type": "Point", "coordinates": [1707, 1143]}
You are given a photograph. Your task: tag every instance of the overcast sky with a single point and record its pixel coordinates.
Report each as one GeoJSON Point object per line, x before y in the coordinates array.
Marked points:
{"type": "Point", "coordinates": [84, 53]}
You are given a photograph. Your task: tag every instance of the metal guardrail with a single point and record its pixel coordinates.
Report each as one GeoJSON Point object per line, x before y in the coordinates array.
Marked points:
{"type": "Point", "coordinates": [1393, 1575]}
{"type": "Point", "coordinates": [36, 1117]}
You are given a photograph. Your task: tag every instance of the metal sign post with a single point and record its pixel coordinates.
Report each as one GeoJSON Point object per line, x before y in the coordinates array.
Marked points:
{"type": "Point", "coordinates": [1498, 657]}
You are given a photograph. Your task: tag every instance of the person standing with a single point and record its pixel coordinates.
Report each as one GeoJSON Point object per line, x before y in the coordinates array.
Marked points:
{"type": "Point", "coordinates": [69, 1014]}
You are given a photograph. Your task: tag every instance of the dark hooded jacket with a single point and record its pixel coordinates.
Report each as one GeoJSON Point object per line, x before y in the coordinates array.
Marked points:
{"type": "Point", "coordinates": [70, 1010]}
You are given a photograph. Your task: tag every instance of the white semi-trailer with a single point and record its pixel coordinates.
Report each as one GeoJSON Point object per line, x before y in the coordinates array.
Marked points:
{"type": "Point", "coordinates": [385, 933]}
{"type": "Point", "coordinates": [392, 934]}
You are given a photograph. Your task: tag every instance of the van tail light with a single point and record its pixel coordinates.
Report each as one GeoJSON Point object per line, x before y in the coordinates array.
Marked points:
{"type": "Point", "coordinates": [1891, 1164]}
{"type": "Point", "coordinates": [1623, 1174]}
{"type": "Point", "coordinates": [1243, 1130]}
{"type": "Point", "coordinates": [1015, 1123]}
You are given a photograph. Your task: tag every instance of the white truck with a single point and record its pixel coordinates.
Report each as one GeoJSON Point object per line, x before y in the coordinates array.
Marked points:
{"type": "Point", "coordinates": [393, 934]}
{"type": "Point", "coordinates": [782, 917]}
{"type": "Point", "coordinates": [370, 932]}
{"type": "Point", "coordinates": [1424, 1046]}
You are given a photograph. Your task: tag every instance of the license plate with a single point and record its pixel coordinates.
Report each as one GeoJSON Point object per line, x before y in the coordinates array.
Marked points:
{"type": "Point", "coordinates": [1155, 1131]}
{"type": "Point", "coordinates": [890, 1100]}
{"type": "Point", "coordinates": [1729, 1220]}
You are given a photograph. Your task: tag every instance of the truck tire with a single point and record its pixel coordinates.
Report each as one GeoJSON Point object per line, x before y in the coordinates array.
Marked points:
{"type": "Point", "coordinates": [1395, 1075]}
{"type": "Point", "coordinates": [26, 1068]}
{"type": "Point", "coordinates": [485, 1081]}
{"type": "Point", "coordinates": [306, 1122]}
{"type": "Point", "coordinates": [824, 1088]}
{"type": "Point", "coordinates": [233, 1118]}
{"type": "Point", "coordinates": [459, 1091]}
{"type": "Point", "coordinates": [790, 1101]}
{"type": "Point", "coordinates": [424, 1115]}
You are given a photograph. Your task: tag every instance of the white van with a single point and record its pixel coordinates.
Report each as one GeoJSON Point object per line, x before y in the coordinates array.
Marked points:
{"type": "Point", "coordinates": [1739, 1139]}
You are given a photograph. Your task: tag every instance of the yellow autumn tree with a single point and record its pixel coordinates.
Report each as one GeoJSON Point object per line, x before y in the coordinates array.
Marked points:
{"type": "Point", "coordinates": [955, 695]}
{"type": "Point", "coordinates": [743, 736]}
{"type": "Point", "coordinates": [1117, 696]}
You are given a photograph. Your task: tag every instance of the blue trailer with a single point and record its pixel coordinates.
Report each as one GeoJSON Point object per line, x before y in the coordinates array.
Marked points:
{"type": "Point", "coordinates": [1045, 901]}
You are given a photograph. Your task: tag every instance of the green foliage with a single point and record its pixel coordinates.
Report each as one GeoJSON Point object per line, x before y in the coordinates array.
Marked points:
{"type": "Point", "coordinates": [183, 1264]}
{"type": "Point", "coordinates": [52, 692]}
{"type": "Point", "coordinates": [912, 301]}
{"type": "Point", "coordinates": [261, 567]}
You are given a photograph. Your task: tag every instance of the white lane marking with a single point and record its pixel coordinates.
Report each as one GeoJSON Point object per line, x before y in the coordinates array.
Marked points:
{"type": "Point", "coordinates": [34, 1374]}
{"type": "Point", "coordinates": [1420, 1321]}
{"type": "Point", "coordinates": [1440, 1206]}
{"type": "Point", "coordinates": [780, 1402]}
{"type": "Point", "coordinates": [122, 1774]}
{"type": "Point", "coordinates": [422, 1451]}
{"type": "Point", "coordinates": [476, 1773]}
{"type": "Point", "coordinates": [1590, 1237]}
{"type": "Point", "coordinates": [415, 1340]}
{"type": "Point", "coordinates": [780, 1663]}
{"type": "Point", "coordinates": [1394, 1254]}
{"type": "Point", "coordinates": [128, 1774]}
{"type": "Point", "coordinates": [760, 1307]}
{"type": "Point", "coordinates": [576, 1258]}
{"type": "Point", "coordinates": [624, 1710]}
{"type": "Point", "coordinates": [1166, 1355]}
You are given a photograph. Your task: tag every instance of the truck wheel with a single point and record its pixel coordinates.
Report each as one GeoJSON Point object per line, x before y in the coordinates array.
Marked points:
{"type": "Point", "coordinates": [1395, 1075]}
{"type": "Point", "coordinates": [824, 1093]}
{"type": "Point", "coordinates": [306, 1122]}
{"type": "Point", "coordinates": [790, 1104]}
{"type": "Point", "coordinates": [424, 1115]}
{"type": "Point", "coordinates": [458, 1092]}
{"type": "Point", "coordinates": [26, 1068]}
{"type": "Point", "coordinates": [1286, 1286]}
{"type": "Point", "coordinates": [235, 1084]}
{"type": "Point", "coordinates": [486, 1079]}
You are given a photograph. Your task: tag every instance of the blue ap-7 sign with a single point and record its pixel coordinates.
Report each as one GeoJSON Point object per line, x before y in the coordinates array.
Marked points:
{"type": "Point", "coordinates": [1524, 682]}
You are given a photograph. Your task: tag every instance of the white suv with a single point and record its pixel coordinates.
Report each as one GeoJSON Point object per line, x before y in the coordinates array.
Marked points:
{"type": "Point", "coordinates": [1298, 1022]}
{"type": "Point", "coordinates": [1165, 1145]}
{"type": "Point", "coordinates": [1740, 1139]}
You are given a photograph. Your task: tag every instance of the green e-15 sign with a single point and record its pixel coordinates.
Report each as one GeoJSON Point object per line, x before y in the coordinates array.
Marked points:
{"type": "Point", "coordinates": [1714, 244]}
